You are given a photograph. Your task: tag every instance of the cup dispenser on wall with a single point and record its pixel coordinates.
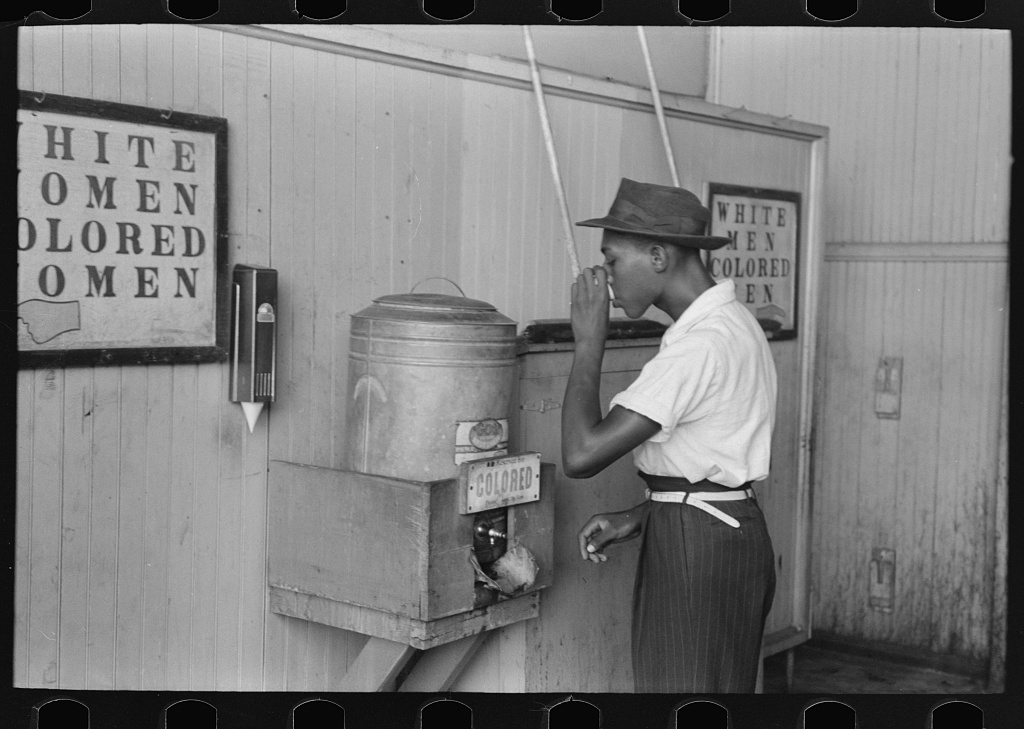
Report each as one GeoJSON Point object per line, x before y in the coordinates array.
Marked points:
{"type": "Point", "coordinates": [253, 338]}
{"type": "Point", "coordinates": [432, 530]}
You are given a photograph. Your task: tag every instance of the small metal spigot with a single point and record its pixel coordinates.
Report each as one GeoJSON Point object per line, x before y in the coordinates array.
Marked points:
{"type": "Point", "coordinates": [491, 533]}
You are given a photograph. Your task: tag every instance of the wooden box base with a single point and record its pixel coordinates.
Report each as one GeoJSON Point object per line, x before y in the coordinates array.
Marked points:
{"type": "Point", "coordinates": [392, 558]}
{"type": "Point", "coordinates": [419, 634]}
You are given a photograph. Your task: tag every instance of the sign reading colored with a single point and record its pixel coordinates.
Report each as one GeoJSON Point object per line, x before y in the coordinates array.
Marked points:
{"type": "Point", "coordinates": [762, 257]}
{"type": "Point", "coordinates": [117, 234]}
{"type": "Point", "coordinates": [497, 482]}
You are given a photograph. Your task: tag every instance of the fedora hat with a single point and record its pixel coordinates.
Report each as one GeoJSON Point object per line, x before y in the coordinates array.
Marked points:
{"type": "Point", "coordinates": [671, 214]}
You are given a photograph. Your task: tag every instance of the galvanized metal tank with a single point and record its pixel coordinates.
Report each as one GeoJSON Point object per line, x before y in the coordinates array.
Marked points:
{"type": "Point", "coordinates": [429, 386]}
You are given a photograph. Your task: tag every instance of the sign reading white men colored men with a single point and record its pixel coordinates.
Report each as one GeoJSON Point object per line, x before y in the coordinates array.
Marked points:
{"type": "Point", "coordinates": [762, 257]}
{"type": "Point", "coordinates": [121, 221]}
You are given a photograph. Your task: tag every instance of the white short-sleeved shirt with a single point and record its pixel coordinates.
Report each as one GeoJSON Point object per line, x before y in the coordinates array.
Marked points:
{"type": "Point", "coordinates": [712, 388]}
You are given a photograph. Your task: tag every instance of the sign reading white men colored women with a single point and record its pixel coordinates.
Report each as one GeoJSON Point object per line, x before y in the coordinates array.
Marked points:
{"type": "Point", "coordinates": [761, 257]}
{"type": "Point", "coordinates": [118, 231]}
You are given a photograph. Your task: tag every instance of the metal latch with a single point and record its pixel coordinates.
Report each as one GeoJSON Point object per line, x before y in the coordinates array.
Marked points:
{"type": "Point", "coordinates": [541, 406]}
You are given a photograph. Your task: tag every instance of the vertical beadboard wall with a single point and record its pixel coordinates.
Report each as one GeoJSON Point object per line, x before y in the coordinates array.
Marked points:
{"type": "Point", "coordinates": [916, 225]}
{"type": "Point", "coordinates": [141, 493]}
{"type": "Point", "coordinates": [141, 526]}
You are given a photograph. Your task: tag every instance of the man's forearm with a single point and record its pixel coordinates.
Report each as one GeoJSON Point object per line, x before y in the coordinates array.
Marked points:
{"type": "Point", "coordinates": [581, 408]}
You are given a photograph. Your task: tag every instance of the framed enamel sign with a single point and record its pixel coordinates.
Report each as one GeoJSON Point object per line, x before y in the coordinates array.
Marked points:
{"type": "Point", "coordinates": [763, 256]}
{"type": "Point", "coordinates": [121, 234]}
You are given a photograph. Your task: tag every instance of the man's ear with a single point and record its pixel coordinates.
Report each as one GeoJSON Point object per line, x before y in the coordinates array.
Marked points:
{"type": "Point", "coordinates": [659, 257]}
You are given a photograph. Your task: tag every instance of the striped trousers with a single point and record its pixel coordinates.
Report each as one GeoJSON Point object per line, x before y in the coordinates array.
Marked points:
{"type": "Point", "coordinates": [702, 595]}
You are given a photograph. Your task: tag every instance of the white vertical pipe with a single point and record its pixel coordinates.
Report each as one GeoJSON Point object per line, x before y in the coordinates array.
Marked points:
{"type": "Point", "coordinates": [570, 240]}
{"type": "Point", "coordinates": [657, 106]}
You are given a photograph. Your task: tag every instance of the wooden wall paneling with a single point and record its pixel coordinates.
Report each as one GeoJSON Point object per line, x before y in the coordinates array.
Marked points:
{"type": "Point", "coordinates": [855, 400]}
{"type": "Point", "coordinates": [976, 457]}
{"type": "Point", "coordinates": [131, 558]}
{"type": "Point", "coordinates": [447, 156]}
{"type": "Point", "coordinates": [211, 408]}
{"type": "Point", "coordinates": [105, 55]}
{"type": "Point", "coordinates": [919, 456]}
{"type": "Point", "coordinates": [643, 157]}
{"type": "Point", "coordinates": [74, 520]}
{"type": "Point", "coordinates": [510, 273]}
{"type": "Point", "coordinates": [948, 488]}
{"type": "Point", "coordinates": [406, 84]}
{"type": "Point", "coordinates": [283, 240]}
{"type": "Point", "coordinates": [541, 238]}
{"type": "Point", "coordinates": [157, 456]}
{"type": "Point", "coordinates": [252, 598]}
{"type": "Point", "coordinates": [820, 469]}
{"type": "Point", "coordinates": [815, 313]}
{"type": "Point", "coordinates": [837, 189]}
{"type": "Point", "coordinates": [77, 59]}
{"type": "Point", "coordinates": [868, 55]}
{"type": "Point", "coordinates": [205, 518]}
{"type": "Point", "coordinates": [362, 103]}
{"type": "Point", "coordinates": [962, 144]}
{"type": "Point", "coordinates": [967, 464]}
{"type": "Point", "coordinates": [209, 75]}
{"type": "Point", "coordinates": [975, 464]}
{"type": "Point", "coordinates": [892, 433]}
{"type": "Point", "coordinates": [991, 279]}
{"type": "Point", "coordinates": [475, 151]}
{"type": "Point", "coordinates": [869, 516]}
{"type": "Point", "coordinates": [998, 522]}
{"type": "Point", "coordinates": [402, 176]}
{"type": "Point", "coordinates": [995, 507]}
{"type": "Point", "coordinates": [75, 452]}
{"type": "Point", "coordinates": [324, 248]}
{"type": "Point", "coordinates": [877, 460]}
{"type": "Point", "coordinates": [938, 138]}
{"type": "Point", "coordinates": [233, 429]}
{"type": "Point", "coordinates": [483, 673]}
{"type": "Point", "coordinates": [157, 502]}
{"type": "Point", "coordinates": [179, 532]}
{"type": "Point", "coordinates": [572, 127]}
{"type": "Point", "coordinates": [929, 107]}
{"type": "Point", "coordinates": [426, 174]}
{"type": "Point", "coordinates": [897, 165]}
{"type": "Point", "coordinates": [858, 72]}
{"type": "Point", "coordinates": [911, 543]}
{"type": "Point", "coordinates": [298, 244]}
{"type": "Point", "coordinates": [492, 143]}
{"type": "Point", "coordinates": [991, 194]}
{"type": "Point", "coordinates": [381, 230]}
{"type": "Point", "coordinates": [133, 64]}
{"type": "Point", "coordinates": [824, 469]}
{"type": "Point", "coordinates": [26, 53]}
{"type": "Point", "coordinates": [185, 69]}
{"type": "Point", "coordinates": [506, 271]}
{"type": "Point", "coordinates": [45, 547]}
{"type": "Point", "coordinates": [24, 484]}
{"type": "Point", "coordinates": [838, 505]}
{"type": "Point", "coordinates": [884, 89]}
{"type": "Point", "coordinates": [47, 44]}
{"type": "Point", "coordinates": [346, 240]}
{"type": "Point", "coordinates": [490, 133]}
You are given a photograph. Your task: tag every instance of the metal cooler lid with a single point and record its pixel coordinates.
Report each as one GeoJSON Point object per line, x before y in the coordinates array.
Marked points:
{"type": "Point", "coordinates": [433, 309]}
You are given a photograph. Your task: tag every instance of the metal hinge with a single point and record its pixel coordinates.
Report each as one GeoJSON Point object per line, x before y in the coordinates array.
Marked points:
{"type": "Point", "coordinates": [541, 406]}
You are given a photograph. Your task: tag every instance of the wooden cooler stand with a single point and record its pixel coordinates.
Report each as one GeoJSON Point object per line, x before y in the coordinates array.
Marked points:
{"type": "Point", "coordinates": [390, 558]}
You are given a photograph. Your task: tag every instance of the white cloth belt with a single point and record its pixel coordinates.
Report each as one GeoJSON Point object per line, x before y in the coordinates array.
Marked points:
{"type": "Point", "coordinates": [700, 499]}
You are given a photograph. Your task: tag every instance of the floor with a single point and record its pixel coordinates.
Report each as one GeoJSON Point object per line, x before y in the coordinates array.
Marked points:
{"type": "Point", "coordinates": [819, 671]}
